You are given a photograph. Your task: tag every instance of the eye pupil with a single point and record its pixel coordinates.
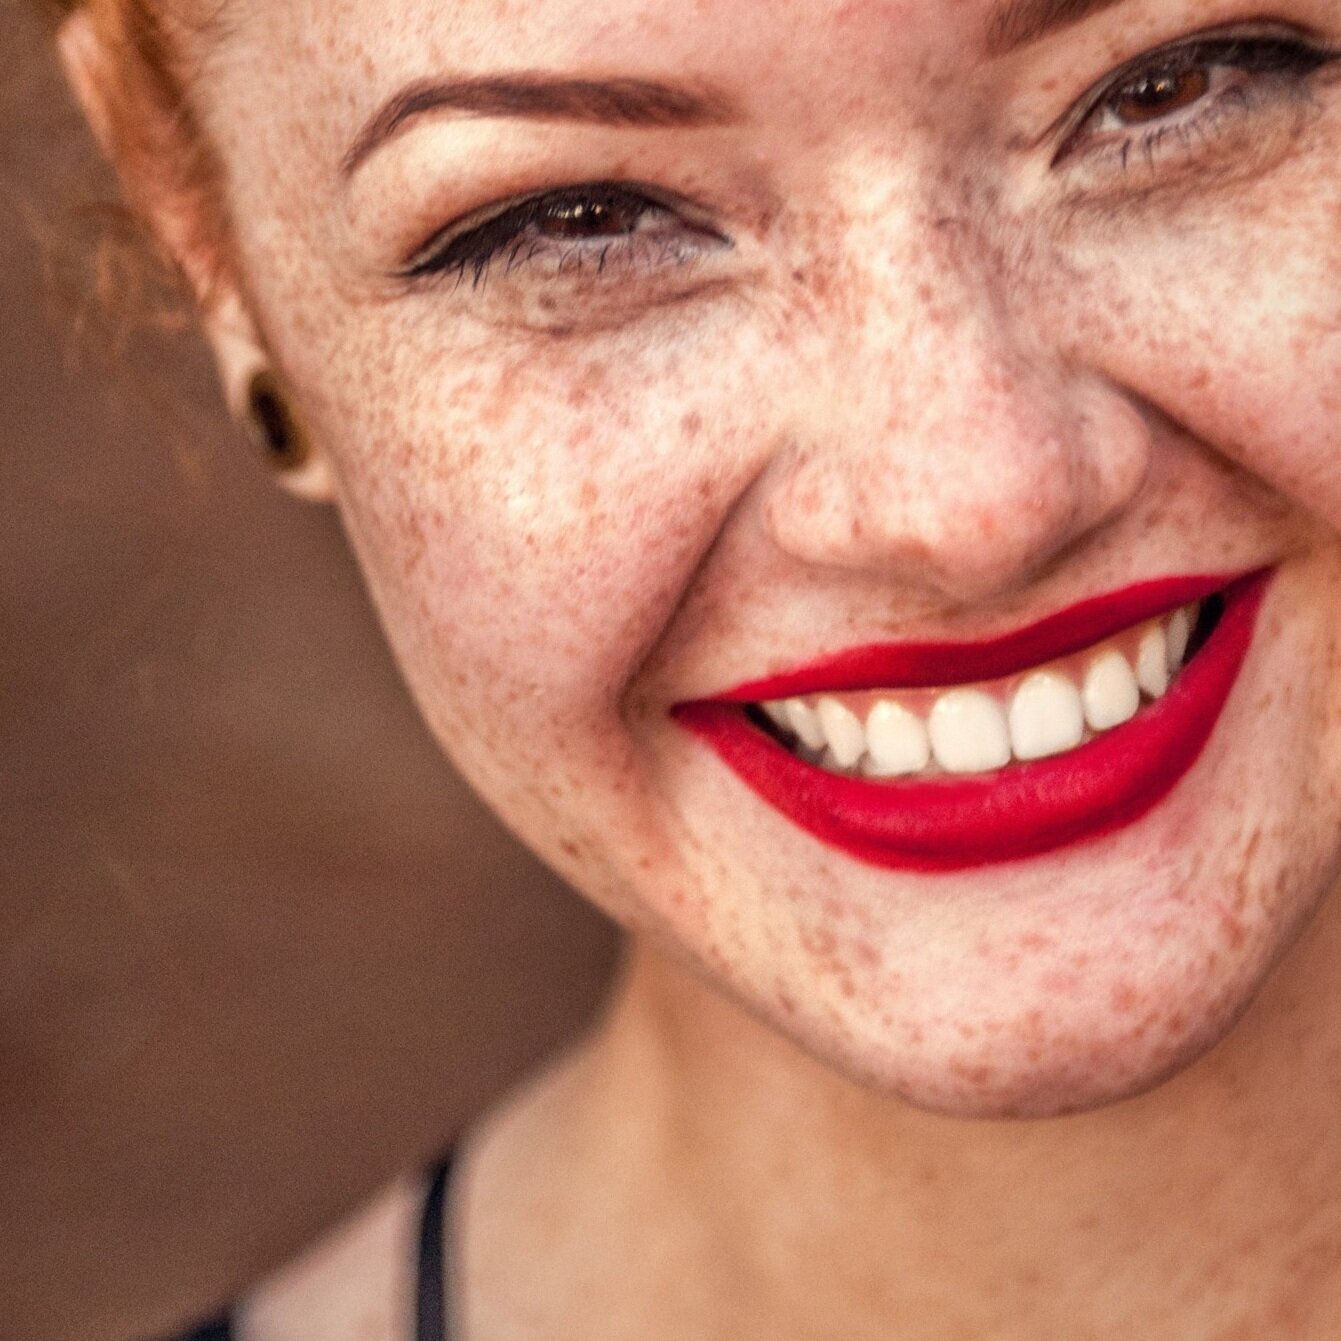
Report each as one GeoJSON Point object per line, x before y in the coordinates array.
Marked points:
{"type": "Point", "coordinates": [1159, 92]}
{"type": "Point", "coordinates": [587, 218]}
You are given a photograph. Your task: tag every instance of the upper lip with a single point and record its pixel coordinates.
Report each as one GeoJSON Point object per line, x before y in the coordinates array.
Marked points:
{"type": "Point", "coordinates": [930, 665]}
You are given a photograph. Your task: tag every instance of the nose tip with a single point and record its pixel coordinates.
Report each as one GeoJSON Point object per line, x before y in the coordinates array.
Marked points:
{"type": "Point", "coordinates": [968, 493]}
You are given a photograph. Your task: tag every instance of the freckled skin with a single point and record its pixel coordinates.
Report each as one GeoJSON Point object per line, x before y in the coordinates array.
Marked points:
{"type": "Point", "coordinates": [937, 387]}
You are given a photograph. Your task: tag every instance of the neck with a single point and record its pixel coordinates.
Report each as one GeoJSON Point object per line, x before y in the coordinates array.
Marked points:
{"type": "Point", "coordinates": [1206, 1206]}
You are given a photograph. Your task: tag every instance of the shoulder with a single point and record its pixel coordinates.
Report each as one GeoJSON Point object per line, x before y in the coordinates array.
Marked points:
{"type": "Point", "coordinates": [355, 1284]}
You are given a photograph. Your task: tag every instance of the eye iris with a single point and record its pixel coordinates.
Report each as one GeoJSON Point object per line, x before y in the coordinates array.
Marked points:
{"type": "Point", "coordinates": [587, 218]}
{"type": "Point", "coordinates": [1156, 94]}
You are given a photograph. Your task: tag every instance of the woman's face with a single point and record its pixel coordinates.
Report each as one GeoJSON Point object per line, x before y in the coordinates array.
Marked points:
{"type": "Point", "coordinates": [888, 356]}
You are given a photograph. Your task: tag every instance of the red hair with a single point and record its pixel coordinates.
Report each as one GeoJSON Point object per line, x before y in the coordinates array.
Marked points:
{"type": "Point", "coordinates": [170, 175]}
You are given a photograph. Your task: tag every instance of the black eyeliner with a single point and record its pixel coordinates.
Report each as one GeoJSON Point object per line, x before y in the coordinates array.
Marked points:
{"type": "Point", "coordinates": [478, 247]}
{"type": "Point", "coordinates": [1265, 54]}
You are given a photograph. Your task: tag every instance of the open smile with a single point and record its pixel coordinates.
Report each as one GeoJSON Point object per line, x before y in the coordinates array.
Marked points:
{"type": "Point", "coordinates": [950, 756]}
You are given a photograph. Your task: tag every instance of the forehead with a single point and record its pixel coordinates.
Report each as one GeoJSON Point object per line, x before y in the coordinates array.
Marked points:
{"type": "Point", "coordinates": [366, 38]}
{"type": "Point", "coordinates": [327, 64]}
{"type": "Point", "coordinates": [490, 22]}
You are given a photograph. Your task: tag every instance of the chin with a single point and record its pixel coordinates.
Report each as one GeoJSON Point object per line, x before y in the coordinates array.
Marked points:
{"type": "Point", "coordinates": [1062, 1010]}
{"type": "Point", "coordinates": [1082, 1072]}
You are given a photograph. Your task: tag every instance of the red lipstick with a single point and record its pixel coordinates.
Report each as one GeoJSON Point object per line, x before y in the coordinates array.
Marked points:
{"type": "Point", "coordinates": [1024, 810]}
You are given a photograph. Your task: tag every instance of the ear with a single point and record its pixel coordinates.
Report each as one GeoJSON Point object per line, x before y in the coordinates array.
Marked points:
{"type": "Point", "coordinates": [239, 352]}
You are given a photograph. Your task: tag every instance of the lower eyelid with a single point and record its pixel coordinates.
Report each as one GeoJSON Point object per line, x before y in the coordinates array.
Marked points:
{"type": "Point", "coordinates": [575, 258]}
{"type": "Point", "coordinates": [1243, 92]}
{"type": "Point", "coordinates": [476, 248]}
{"type": "Point", "coordinates": [1187, 163]}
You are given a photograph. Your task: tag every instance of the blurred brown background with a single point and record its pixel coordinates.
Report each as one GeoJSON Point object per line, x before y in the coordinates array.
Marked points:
{"type": "Point", "coordinates": [259, 949]}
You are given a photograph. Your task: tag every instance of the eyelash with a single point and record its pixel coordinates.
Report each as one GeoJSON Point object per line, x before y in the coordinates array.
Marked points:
{"type": "Point", "coordinates": [513, 234]}
{"type": "Point", "coordinates": [1266, 59]}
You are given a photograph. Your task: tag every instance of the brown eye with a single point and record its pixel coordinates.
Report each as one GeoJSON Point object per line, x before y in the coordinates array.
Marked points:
{"type": "Point", "coordinates": [1158, 93]}
{"type": "Point", "coordinates": [610, 225]}
{"type": "Point", "coordinates": [588, 218]}
{"type": "Point", "coordinates": [1176, 100]}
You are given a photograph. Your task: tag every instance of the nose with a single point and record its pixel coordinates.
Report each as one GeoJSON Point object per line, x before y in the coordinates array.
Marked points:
{"type": "Point", "coordinates": [959, 457]}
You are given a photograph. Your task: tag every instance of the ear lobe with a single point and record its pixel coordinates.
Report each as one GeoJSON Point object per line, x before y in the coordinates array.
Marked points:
{"type": "Point", "coordinates": [240, 355]}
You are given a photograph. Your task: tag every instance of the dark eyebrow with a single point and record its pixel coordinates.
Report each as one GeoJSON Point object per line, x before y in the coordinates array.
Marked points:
{"type": "Point", "coordinates": [536, 96]}
{"type": "Point", "coordinates": [1016, 23]}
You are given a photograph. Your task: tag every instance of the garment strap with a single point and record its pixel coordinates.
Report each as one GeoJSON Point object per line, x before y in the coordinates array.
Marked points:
{"type": "Point", "coordinates": [431, 1318]}
{"type": "Point", "coordinates": [431, 1321]}
{"type": "Point", "coordinates": [221, 1329]}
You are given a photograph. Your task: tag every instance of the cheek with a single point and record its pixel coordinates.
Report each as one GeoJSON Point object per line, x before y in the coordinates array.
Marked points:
{"type": "Point", "coordinates": [1231, 326]}
{"type": "Point", "coordinates": [529, 530]}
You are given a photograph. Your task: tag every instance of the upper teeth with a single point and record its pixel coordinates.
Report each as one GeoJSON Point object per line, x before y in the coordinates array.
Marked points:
{"type": "Point", "coordinates": [1042, 713]}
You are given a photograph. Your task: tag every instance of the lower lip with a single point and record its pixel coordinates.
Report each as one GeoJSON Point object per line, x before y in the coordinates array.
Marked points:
{"type": "Point", "coordinates": [1023, 811]}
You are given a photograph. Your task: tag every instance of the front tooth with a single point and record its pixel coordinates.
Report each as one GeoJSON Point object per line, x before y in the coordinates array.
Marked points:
{"type": "Point", "coordinates": [843, 730]}
{"type": "Point", "coordinates": [1046, 717]}
{"type": "Point", "coordinates": [897, 740]}
{"type": "Point", "coordinates": [1152, 662]}
{"type": "Point", "coordinates": [1111, 694]}
{"type": "Point", "coordinates": [1180, 635]}
{"type": "Point", "coordinates": [806, 724]}
{"type": "Point", "coordinates": [969, 733]}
